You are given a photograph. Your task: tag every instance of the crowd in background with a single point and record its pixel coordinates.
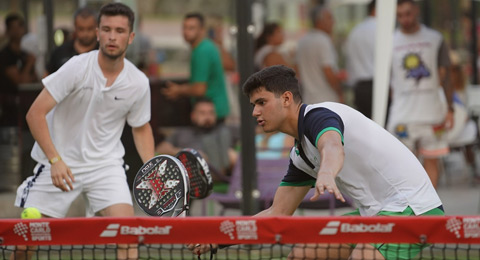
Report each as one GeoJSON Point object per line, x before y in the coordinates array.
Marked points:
{"type": "Point", "coordinates": [327, 72]}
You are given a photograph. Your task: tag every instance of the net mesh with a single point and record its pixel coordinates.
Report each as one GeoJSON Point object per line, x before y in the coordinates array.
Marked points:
{"type": "Point", "coordinates": [452, 237]}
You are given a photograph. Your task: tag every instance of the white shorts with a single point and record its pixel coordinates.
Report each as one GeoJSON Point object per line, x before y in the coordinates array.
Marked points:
{"type": "Point", "coordinates": [101, 188]}
{"type": "Point", "coordinates": [428, 140]}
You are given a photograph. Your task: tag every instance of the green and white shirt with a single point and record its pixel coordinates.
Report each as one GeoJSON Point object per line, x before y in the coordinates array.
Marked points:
{"type": "Point", "coordinates": [379, 172]}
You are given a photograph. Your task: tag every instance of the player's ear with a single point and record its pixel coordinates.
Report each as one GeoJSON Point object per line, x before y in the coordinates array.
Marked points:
{"type": "Point", "coordinates": [287, 98]}
{"type": "Point", "coordinates": [96, 32]}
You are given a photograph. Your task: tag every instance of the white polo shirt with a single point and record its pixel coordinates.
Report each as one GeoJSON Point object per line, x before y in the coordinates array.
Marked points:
{"type": "Point", "coordinates": [87, 123]}
{"type": "Point", "coordinates": [379, 172]}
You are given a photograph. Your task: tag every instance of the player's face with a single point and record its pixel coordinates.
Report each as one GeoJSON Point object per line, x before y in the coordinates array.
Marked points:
{"type": "Point", "coordinates": [85, 30]}
{"type": "Point", "coordinates": [192, 30]}
{"type": "Point", "coordinates": [407, 16]}
{"type": "Point", "coordinates": [114, 36]}
{"type": "Point", "coordinates": [267, 109]}
{"type": "Point", "coordinates": [204, 115]}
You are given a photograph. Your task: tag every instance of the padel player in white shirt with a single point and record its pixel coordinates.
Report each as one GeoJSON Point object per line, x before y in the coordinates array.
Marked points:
{"type": "Point", "coordinates": [337, 150]}
{"type": "Point", "coordinates": [77, 122]}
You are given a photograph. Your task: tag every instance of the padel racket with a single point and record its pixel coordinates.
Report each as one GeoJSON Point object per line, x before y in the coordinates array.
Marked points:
{"type": "Point", "coordinates": [161, 187]}
{"type": "Point", "coordinates": [201, 182]}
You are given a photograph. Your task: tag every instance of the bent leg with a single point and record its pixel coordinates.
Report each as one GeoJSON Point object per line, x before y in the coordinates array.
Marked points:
{"type": "Point", "coordinates": [108, 194]}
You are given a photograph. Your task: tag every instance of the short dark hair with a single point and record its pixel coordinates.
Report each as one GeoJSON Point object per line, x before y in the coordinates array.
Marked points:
{"type": "Point", "coordinates": [84, 12]}
{"type": "Point", "coordinates": [12, 18]}
{"type": "Point", "coordinates": [200, 100]}
{"type": "Point", "coordinates": [198, 16]}
{"type": "Point", "coordinates": [114, 9]}
{"type": "Point", "coordinates": [371, 6]}
{"type": "Point", "coordinates": [276, 79]}
{"type": "Point", "coordinates": [400, 2]}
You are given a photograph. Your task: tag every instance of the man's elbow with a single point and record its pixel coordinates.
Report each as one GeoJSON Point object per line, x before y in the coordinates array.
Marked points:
{"type": "Point", "coordinates": [30, 117]}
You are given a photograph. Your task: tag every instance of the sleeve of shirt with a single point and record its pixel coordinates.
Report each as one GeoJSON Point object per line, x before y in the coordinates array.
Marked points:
{"type": "Point", "coordinates": [200, 67]}
{"type": "Point", "coordinates": [320, 120]}
{"type": "Point", "coordinates": [296, 177]}
{"type": "Point", "coordinates": [443, 55]}
{"type": "Point", "coordinates": [61, 83]}
{"type": "Point", "coordinates": [139, 114]}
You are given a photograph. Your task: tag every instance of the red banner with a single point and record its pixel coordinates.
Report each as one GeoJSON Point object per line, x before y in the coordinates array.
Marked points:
{"type": "Point", "coordinates": [240, 230]}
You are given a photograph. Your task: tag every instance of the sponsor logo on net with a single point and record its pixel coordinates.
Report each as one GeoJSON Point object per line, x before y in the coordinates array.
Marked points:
{"type": "Point", "coordinates": [470, 226]}
{"type": "Point", "coordinates": [39, 231]}
{"type": "Point", "coordinates": [113, 230]}
{"type": "Point", "coordinates": [333, 227]}
{"type": "Point", "coordinates": [244, 229]}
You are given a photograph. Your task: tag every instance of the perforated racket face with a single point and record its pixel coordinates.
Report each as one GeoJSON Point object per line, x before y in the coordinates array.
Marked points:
{"type": "Point", "coordinates": [161, 187]}
{"type": "Point", "coordinates": [201, 183]}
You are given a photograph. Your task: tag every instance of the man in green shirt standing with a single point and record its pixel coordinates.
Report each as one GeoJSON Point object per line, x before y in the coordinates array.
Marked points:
{"type": "Point", "coordinates": [206, 72]}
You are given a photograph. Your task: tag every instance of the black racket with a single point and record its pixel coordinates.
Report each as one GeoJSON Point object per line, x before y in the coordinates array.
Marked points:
{"type": "Point", "coordinates": [161, 187]}
{"type": "Point", "coordinates": [201, 182]}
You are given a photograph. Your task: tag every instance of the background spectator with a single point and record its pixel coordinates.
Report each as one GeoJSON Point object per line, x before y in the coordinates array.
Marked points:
{"type": "Point", "coordinates": [206, 71]}
{"type": "Point", "coordinates": [16, 67]}
{"type": "Point", "coordinates": [360, 54]}
{"type": "Point", "coordinates": [84, 39]}
{"type": "Point", "coordinates": [214, 141]}
{"type": "Point", "coordinates": [266, 47]}
{"type": "Point", "coordinates": [420, 66]}
{"type": "Point", "coordinates": [317, 60]}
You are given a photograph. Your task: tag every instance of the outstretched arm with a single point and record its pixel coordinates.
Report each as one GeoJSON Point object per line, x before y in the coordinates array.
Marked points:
{"type": "Point", "coordinates": [332, 156]}
{"type": "Point", "coordinates": [286, 201]}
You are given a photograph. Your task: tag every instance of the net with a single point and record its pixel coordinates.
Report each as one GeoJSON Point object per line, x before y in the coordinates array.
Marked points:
{"type": "Point", "coordinates": [451, 237]}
